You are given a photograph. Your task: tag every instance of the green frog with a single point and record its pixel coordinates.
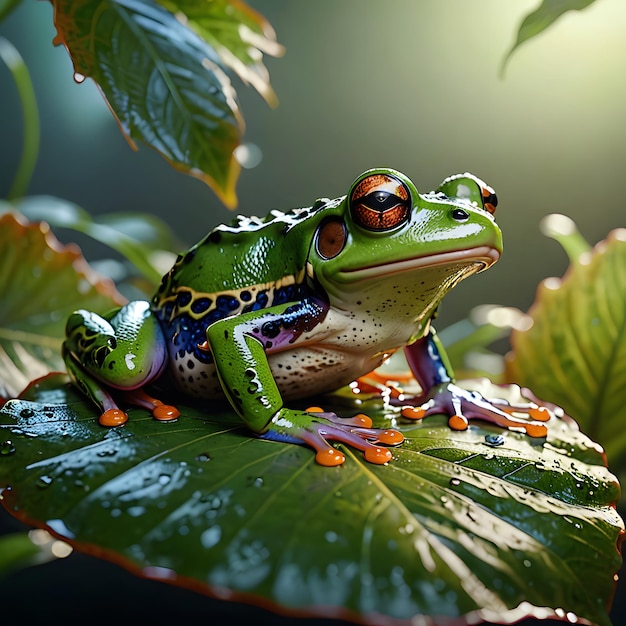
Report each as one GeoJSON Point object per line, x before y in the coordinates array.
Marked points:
{"type": "Point", "coordinates": [267, 310]}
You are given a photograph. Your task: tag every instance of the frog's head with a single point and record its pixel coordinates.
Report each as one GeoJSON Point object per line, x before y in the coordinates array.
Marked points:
{"type": "Point", "coordinates": [388, 242]}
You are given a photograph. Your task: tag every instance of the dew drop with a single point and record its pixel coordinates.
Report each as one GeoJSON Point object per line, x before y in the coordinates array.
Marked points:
{"type": "Point", "coordinates": [331, 536]}
{"type": "Point", "coordinates": [258, 482]}
{"type": "Point", "coordinates": [79, 78]}
{"type": "Point", "coordinates": [164, 479]}
{"type": "Point", "coordinates": [136, 511]}
{"type": "Point", "coordinates": [7, 448]}
{"type": "Point", "coordinates": [211, 537]}
{"type": "Point", "coordinates": [44, 481]}
{"type": "Point", "coordinates": [455, 482]}
{"type": "Point", "coordinates": [204, 457]}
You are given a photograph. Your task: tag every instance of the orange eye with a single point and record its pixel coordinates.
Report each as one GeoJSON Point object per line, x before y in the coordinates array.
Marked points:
{"type": "Point", "coordinates": [331, 238]}
{"type": "Point", "coordinates": [380, 202]}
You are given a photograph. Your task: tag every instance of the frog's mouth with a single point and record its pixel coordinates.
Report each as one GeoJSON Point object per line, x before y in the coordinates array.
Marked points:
{"type": "Point", "coordinates": [483, 256]}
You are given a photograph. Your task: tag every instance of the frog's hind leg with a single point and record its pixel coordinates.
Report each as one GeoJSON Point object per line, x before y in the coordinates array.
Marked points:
{"type": "Point", "coordinates": [115, 354]}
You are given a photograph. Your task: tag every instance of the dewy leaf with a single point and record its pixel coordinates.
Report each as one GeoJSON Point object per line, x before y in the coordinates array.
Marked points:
{"type": "Point", "coordinates": [41, 282]}
{"type": "Point", "coordinates": [537, 21]}
{"type": "Point", "coordinates": [575, 352]}
{"type": "Point", "coordinates": [460, 526]}
{"type": "Point", "coordinates": [161, 80]}
{"type": "Point", "coordinates": [238, 34]}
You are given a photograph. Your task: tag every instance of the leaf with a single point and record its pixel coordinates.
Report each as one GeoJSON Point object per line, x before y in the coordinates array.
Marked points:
{"type": "Point", "coordinates": [238, 34]}
{"type": "Point", "coordinates": [540, 19]}
{"type": "Point", "coordinates": [575, 352]}
{"type": "Point", "coordinates": [163, 83]}
{"type": "Point", "coordinates": [6, 7]}
{"type": "Point", "coordinates": [141, 238]}
{"type": "Point", "coordinates": [453, 527]}
{"type": "Point", "coordinates": [30, 144]}
{"type": "Point", "coordinates": [41, 282]}
{"type": "Point", "coordinates": [16, 551]}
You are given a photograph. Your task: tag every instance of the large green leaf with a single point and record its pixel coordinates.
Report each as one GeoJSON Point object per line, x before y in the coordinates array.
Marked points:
{"type": "Point", "coordinates": [162, 81]}
{"type": "Point", "coordinates": [536, 22]}
{"type": "Point", "coordinates": [575, 352]}
{"type": "Point", "coordinates": [461, 526]}
{"type": "Point", "coordinates": [41, 282]}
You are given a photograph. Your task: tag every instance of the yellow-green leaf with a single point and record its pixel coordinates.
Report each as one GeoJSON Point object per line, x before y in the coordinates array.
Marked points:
{"type": "Point", "coordinates": [575, 352]}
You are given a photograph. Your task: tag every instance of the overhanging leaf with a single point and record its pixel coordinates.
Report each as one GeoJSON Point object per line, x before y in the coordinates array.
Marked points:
{"type": "Point", "coordinates": [575, 352]}
{"type": "Point", "coordinates": [454, 527]}
{"type": "Point", "coordinates": [41, 282]}
{"type": "Point", "coordinates": [238, 34]}
{"type": "Point", "coordinates": [162, 81]}
{"type": "Point", "coordinates": [537, 21]}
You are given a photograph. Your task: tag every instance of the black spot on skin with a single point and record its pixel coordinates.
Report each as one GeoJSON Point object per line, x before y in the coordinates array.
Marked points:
{"type": "Point", "coordinates": [270, 329]}
{"type": "Point", "coordinates": [190, 364]}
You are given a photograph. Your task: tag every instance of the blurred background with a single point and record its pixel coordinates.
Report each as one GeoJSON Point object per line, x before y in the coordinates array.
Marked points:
{"type": "Point", "coordinates": [405, 84]}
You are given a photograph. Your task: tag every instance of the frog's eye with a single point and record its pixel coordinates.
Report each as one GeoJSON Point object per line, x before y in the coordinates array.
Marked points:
{"type": "Point", "coordinates": [380, 202]}
{"type": "Point", "coordinates": [331, 238]}
{"type": "Point", "coordinates": [469, 188]}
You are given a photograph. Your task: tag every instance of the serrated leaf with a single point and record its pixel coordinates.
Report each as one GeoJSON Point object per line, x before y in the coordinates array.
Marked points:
{"type": "Point", "coordinates": [575, 352]}
{"type": "Point", "coordinates": [543, 17]}
{"type": "Point", "coordinates": [164, 83]}
{"type": "Point", "coordinates": [41, 282]}
{"type": "Point", "coordinates": [238, 34]}
{"type": "Point", "coordinates": [453, 527]}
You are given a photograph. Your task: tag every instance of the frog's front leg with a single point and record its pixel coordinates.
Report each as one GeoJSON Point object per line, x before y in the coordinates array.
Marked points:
{"type": "Point", "coordinates": [117, 354]}
{"type": "Point", "coordinates": [240, 345]}
{"type": "Point", "coordinates": [430, 366]}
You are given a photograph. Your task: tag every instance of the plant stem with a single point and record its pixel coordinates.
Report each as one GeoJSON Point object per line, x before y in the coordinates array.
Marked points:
{"type": "Point", "coordinates": [30, 147]}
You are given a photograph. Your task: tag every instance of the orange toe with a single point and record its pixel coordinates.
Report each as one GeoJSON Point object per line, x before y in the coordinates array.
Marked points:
{"type": "Point", "coordinates": [113, 417]}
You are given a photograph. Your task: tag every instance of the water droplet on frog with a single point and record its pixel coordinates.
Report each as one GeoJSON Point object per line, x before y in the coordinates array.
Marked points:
{"type": "Point", "coordinates": [44, 481]}
{"type": "Point", "coordinates": [7, 448]}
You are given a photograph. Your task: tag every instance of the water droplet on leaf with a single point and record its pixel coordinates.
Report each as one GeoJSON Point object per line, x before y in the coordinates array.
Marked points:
{"type": "Point", "coordinates": [44, 481]}
{"type": "Point", "coordinates": [7, 448]}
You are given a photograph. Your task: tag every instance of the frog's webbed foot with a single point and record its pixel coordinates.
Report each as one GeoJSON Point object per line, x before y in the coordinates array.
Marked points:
{"type": "Point", "coordinates": [316, 428]}
{"type": "Point", "coordinates": [462, 406]}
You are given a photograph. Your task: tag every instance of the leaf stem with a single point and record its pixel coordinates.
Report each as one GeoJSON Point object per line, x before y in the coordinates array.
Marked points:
{"type": "Point", "coordinates": [30, 145]}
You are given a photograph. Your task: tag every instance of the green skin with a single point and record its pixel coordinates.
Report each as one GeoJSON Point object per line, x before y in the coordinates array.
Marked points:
{"type": "Point", "coordinates": [302, 303]}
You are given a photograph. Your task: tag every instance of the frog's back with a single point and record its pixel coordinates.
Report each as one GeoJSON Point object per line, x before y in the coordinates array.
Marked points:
{"type": "Point", "coordinates": [248, 265]}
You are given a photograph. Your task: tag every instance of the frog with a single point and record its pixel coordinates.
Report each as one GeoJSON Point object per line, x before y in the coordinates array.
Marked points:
{"type": "Point", "coordinates": [268, 311]}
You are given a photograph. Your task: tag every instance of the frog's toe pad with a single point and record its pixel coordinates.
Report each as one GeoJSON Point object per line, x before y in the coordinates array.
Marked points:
{"type": "Point", "coordinates": [165, 413]}
{"type": "Point", "coordinates": [113, 417]}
